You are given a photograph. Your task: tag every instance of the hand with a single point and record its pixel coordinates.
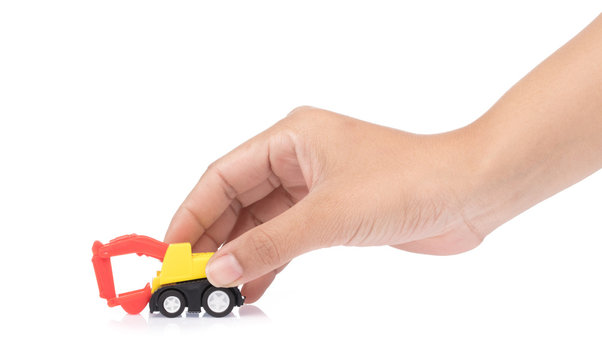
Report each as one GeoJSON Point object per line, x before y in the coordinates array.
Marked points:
{"type": "Point", "coordinates": [318, 179]}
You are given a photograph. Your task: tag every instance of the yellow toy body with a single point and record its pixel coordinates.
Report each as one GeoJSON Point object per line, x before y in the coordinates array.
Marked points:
{"type": "Point", "coordinates": [180, 264]}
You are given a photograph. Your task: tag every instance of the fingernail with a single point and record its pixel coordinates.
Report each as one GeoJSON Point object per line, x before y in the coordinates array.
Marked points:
{"type": "Point", "coordinates": [224, 271]}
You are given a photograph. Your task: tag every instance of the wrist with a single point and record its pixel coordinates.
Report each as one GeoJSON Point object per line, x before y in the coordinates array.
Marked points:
{"type": "Point", "coordinates": [510, 172]}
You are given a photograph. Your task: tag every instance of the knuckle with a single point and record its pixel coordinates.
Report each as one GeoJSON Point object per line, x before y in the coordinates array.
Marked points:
{"type": "Point", "coordinates": [214, 170]}
{"type": "Point", "coordinates": [304, 115]}
{"type": "Point", "coordinates": [307, 117]}
{"type": "Point", "coordinates": [299, 110]}
{"type": "Point", "coordinates": [305, 120]}
{"type": "Point", "coordinates": [213, 166]}
{"type": "Point", "coordinates": [265, 247]}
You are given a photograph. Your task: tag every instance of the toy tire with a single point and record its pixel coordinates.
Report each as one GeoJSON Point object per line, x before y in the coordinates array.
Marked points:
{"type": "Point", "coordinates": [218, 302]}
{"type": "Point", "coordinates": [171, 303]}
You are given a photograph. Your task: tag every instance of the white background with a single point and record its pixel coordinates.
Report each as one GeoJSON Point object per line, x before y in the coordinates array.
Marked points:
{"type": "Point", "coordinates": [111, 110]}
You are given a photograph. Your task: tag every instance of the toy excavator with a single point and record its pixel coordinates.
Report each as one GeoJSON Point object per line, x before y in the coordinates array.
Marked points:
{"type": "Point", "coordinates": [181, 283]}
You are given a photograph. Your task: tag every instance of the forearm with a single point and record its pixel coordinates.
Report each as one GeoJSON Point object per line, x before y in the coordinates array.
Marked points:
{"type": "Point", "coordinates": [543, 135]}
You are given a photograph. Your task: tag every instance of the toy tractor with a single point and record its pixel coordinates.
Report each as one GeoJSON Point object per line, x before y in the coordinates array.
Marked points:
{"type": "Point", "coordinates": [181, 283]}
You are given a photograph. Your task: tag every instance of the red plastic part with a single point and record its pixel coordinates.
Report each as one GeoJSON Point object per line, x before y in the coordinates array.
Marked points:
{"type": "Point", "coordinates": [135, 301]}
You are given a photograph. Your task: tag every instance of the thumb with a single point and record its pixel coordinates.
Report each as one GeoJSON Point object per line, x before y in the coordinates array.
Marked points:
{"type": "Point", "coordinates": [302, 228]}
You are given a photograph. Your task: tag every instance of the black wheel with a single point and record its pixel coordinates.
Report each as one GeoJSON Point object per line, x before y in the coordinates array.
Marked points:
{"type": "Point", "coordinates": [171, 303]}
{"type": "Point", "coordinates": [218, 302]}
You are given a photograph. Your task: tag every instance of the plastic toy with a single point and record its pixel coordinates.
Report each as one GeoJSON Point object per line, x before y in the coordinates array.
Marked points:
{"type": "Point", "coordinates": [181, 283]}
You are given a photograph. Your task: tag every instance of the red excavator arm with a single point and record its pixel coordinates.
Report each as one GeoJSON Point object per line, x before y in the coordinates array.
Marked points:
{"type": "Point", "coordinates": [132, 302]}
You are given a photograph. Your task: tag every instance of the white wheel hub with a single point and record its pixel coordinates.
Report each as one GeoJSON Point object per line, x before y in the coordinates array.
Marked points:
{"type": "Point", "coordinates": [172, 304]}
{"type": "Point", "coordinates": [218, 301]}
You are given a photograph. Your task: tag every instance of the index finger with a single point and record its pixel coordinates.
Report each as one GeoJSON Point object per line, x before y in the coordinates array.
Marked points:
{"type": "Point", "coordinates": [245, 173]}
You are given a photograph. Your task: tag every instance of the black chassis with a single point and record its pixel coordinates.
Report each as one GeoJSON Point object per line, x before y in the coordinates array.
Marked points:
{"type": "Point", "coordinates": [193, 291]}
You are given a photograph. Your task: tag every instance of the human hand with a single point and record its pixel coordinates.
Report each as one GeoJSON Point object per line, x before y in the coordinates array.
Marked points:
{"type": "Point", "coordinates": [318, 179]}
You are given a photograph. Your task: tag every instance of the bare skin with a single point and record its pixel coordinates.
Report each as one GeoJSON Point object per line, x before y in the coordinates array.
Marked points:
{"type": "Point", "coordinates": [318, 179]}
